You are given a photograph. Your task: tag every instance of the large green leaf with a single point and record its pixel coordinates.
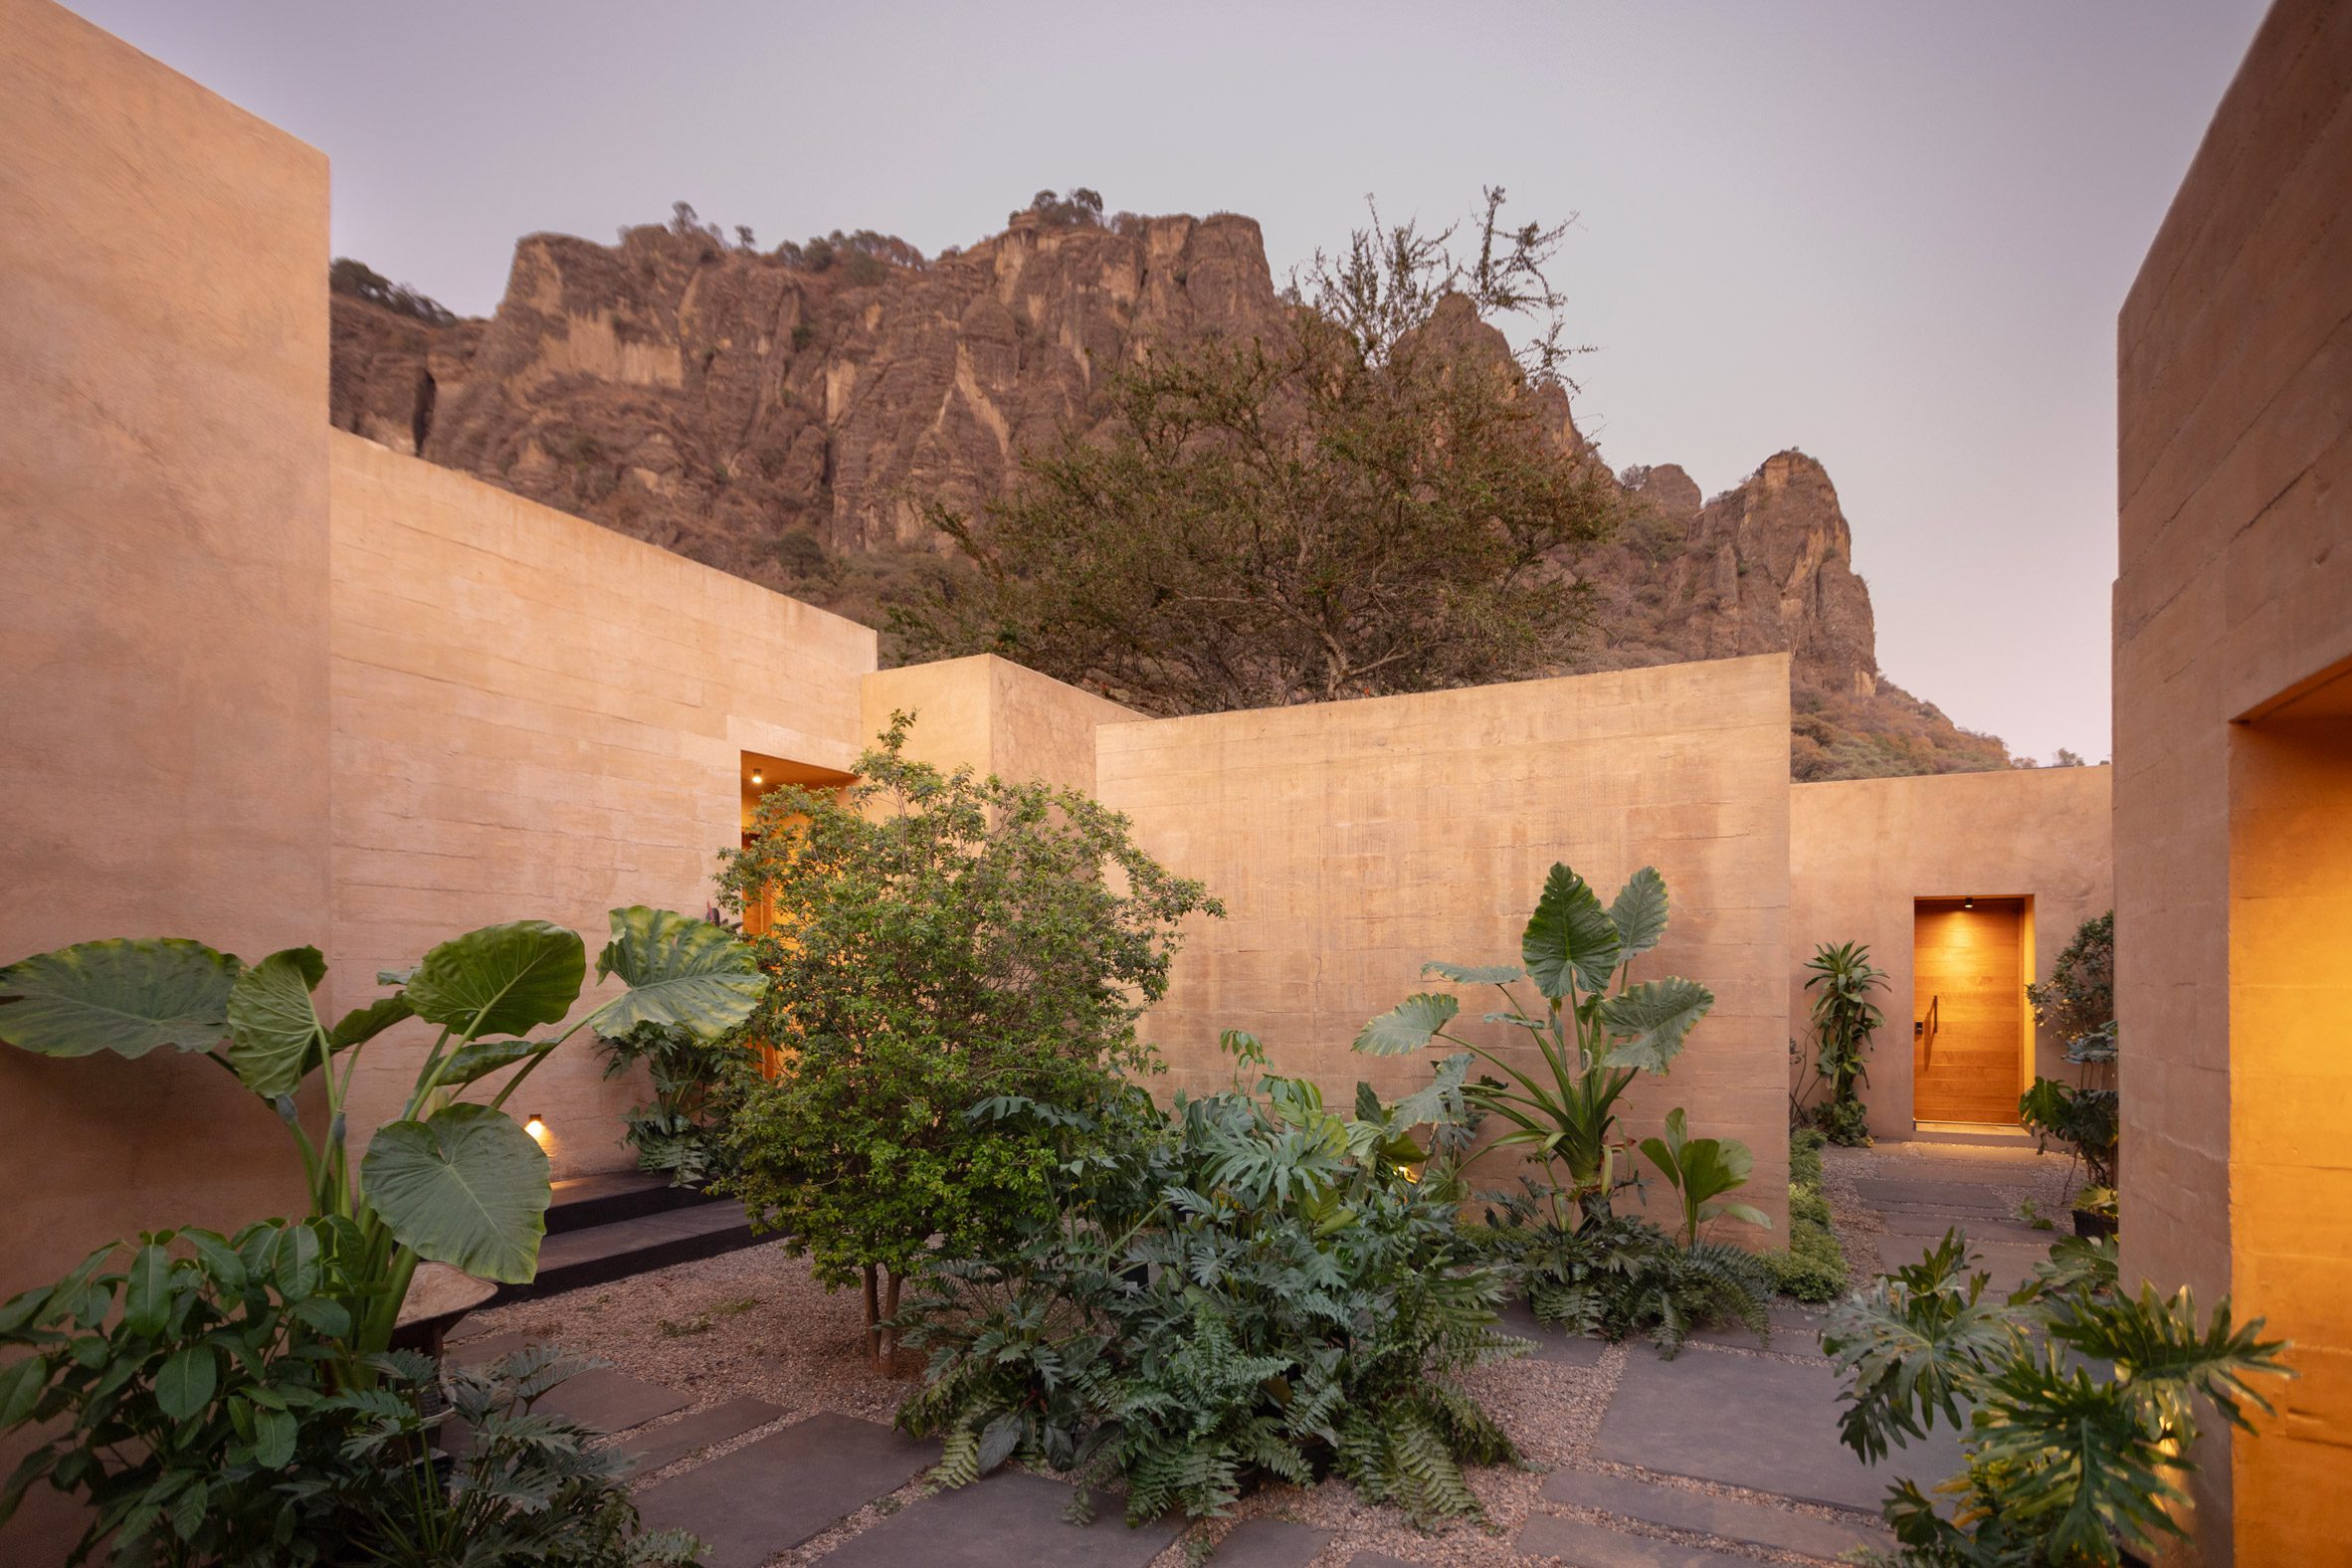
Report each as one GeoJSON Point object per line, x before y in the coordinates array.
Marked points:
{"type": "Point", "coordinates": [1474, 975]}
{"type": "Point", "coordinates": [468, 1063]}
{"type": "Point", "coordinates": [681, 972]}
{"type": "Point", "coordinates": [127, 995]}
{"type": "Point", "coordinates": [466, 1187]}
{"type": "Point", "coordinates": [1650, 1021]}
{"type": "Point", "coordinates": [1408, 1025]}
{"type": "Point", "coordinates": [1640, 913]}
{"type": "Point", "coordinates": [501, 979]}
{"type": "Point", "coordinates": [1570, 937]}
{"type": "Point", "coordinates": [273, 1031]}
{"type": "Point", "coordinates": [1440, 1099]}
{"type": "Point", "coordinates": [147, 1290]}
{"type": "Point", "coordinates": [184, 1383]}
{"type": "Point", "coordinates": [363, 1024]}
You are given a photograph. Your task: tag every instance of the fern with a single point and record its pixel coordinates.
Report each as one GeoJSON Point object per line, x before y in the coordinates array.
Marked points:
{"type": "Point", "coordinates": [1258, 1291]}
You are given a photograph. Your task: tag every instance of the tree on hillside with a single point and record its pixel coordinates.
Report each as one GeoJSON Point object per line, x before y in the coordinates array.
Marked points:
{"type": "Point", "coordinates": [1381, 497]}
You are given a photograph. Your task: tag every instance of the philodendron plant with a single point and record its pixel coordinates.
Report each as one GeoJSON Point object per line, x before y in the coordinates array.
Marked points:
{"type": "Point", "coordinates": [1590, 1040]}
{"type": "Point", "coordinates": [449, 1180]}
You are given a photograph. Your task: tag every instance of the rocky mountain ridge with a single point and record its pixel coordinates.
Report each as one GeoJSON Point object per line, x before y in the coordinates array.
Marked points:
{"type": "Point", "coordinates": [788, 421]}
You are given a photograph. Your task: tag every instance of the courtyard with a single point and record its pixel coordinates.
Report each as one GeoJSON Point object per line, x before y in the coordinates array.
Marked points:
{"type": "Point", "coordinates": [523, 1039]}
{"type": "Point", "coordinates": [741, 1389]}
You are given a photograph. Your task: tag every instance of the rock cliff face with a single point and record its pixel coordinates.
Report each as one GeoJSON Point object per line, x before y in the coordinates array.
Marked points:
{"type": "Point", "coordinates": [790, 423]}
{"type": "Point", "coordinates": [729, 405]}
{"type": "Point", "coordinates": [1768, 565]}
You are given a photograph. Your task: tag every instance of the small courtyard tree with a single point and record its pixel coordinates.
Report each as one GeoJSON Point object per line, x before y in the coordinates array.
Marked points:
{"type": "Point", "coordinates": [938, 941]}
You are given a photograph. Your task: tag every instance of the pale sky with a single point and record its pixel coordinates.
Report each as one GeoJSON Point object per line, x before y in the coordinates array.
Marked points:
{"type": "Point", "coordinates": [1894, 233]}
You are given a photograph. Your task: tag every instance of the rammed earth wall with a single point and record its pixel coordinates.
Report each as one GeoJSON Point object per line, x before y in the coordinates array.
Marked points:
{"type": "Point", "coordinates": [1353, 840]}
{"type": "Point", "coordinates": [2234, 765]}
{"type": "Point", "coordinates": [539, 717]}
{"type": "Point", "coordinates": [1861, 850]}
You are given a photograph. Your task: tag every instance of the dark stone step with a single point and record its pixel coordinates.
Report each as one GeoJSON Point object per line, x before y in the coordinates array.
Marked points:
{"type": "Point", "coordinates": [601, 1253]}
{"type": "Point", "coordinates": [583, 1202]}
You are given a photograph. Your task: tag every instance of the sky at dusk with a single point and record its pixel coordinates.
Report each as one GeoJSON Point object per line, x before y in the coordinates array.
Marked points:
{"type": "Point", "coordinates": [1894, 235]}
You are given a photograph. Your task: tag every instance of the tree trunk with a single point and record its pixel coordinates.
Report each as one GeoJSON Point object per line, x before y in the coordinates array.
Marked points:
{"type": "Point", "coordinates": [887, 1355]}
{"type": "Point", "coordinates": [873, 1316]}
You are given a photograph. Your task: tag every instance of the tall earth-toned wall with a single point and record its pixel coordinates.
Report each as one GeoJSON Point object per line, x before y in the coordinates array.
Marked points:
{"type": "Point", "coordinates": [162, 602]}
{"type": "Point", "coordinates": [1352, 842]}
{"type": "Point", "coordinates": [1861, 850]}
{"type": "Point", "coordinates": [536, 717]}
{"type": "Point", "coordinates": [2233, 605]}
{"type": "Point", "coordinates": [993, 717]}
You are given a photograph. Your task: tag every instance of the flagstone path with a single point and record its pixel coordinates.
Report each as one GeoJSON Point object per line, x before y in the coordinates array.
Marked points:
{"type": "Point", "coordinates": [1725, 1454]}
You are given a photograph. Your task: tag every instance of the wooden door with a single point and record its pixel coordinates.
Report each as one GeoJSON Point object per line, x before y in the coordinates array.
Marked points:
{"type": "Point", "coordinates": [1968, 1006]}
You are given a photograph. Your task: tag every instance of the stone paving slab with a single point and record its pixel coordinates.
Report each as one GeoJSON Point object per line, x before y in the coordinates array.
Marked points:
{"type": "Point", "coordinates": [1795, 1332]}
{"type": "Point", "coordinates": [2018, 1171]}
{"type": "Point", "coordinates": [1934, 1191]}
{"type": "Point", "coordinates": [1598, 1546]}
{"type": "Point", "coordinates": [1709, 1513]}
{"type": "Point", "coordinates": [1270, 1543]}
{"type": "Point", "coordinates": [770, 1496]}
{"type": "Point", "coordinates": [1930, 1228]}
{"type": "Point", "coordinates": [1011, 1519]}
{"type": "Point", "coordinates": [1764, 1425]}
{"type": "Point", "coordinates": [482, 1349]}
{"type": "Point", "coordinates": [668, 1445]}
{"type": "Point", "coordinates": [1378, 1560]}
{"type": "Point", "coordinates": [610, 1400]}
{"type": "Point", "coordinates": [2011, 1267]}
{"type": "Point", "coordinates": [1551, 1344]}
{"type": "Point", "coordinates": [603, 1398]}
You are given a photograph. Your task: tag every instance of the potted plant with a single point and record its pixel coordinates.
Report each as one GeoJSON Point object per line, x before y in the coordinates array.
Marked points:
{"type": "Point", "coordinates": [2078, 1003]}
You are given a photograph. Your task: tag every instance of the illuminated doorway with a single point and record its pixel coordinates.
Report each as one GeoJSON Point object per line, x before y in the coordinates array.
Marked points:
{"type": "Point", "coordinates": [759, 774]}
{"type": "Point", "coordinates": [1971, 1033]}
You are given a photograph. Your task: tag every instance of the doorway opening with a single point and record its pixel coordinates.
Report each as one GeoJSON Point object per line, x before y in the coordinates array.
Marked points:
{"type": "Point", "coordinates": [1972, 1035]}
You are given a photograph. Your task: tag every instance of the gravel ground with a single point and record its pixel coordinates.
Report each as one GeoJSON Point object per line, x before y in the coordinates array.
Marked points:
{"type": "Point", "coordinates": [757, 1322]}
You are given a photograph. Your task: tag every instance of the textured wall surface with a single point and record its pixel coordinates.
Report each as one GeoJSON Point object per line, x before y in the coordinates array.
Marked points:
{"type": "Point", "coordinates": [2235, 423]}
{"type": "Point", "coordinates": [162, 618]}
{"type": "Point", "coordinates": [1353, 840]}
{"type": "Point", "coordinates": [993, 715]}
{"type": "Point", "coordinates": [536, 717]}
{"type": "Point", "coordinates": [1860, 851]}
{"type": "Point", "coordinates": [162, 605]}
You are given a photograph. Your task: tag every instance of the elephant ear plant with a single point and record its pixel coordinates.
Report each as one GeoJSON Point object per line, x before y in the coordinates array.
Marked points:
{"type": "Point", "coordinates": [1591, 1041]}
{"type": "Point", "coordinates": [449, 1180]}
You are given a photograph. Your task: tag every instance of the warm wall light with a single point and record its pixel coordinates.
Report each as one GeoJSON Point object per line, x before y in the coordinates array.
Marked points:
{"type": "Point", "coordinates": [537, 1127]}
{"type": "Point", "coordinates": [755, 775]}
{"type": "Point", "coordinates": [1968, 903]}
